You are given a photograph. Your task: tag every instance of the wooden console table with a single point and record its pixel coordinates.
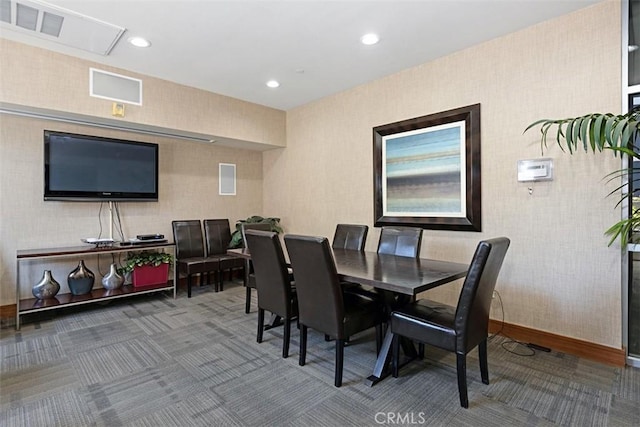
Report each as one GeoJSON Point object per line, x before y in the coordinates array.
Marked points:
{"type": "Point", "coordinates": [33, 305]}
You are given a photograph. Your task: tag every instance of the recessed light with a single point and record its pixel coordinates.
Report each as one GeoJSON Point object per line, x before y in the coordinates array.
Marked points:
{"type": "Point", "coordinates": [370, 39]}
{"type": "Point", "coordinates": [139, 42]}
{"type": "Point", "coordinates": [273, 83]}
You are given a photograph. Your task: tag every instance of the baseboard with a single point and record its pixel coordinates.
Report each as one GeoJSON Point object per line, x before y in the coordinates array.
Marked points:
{"type": "Point", "coordinates": [576, 347]}
{"type": "Point", "coordinates": [573, 346]}
{"type": "Point", "coordinates": [7, 311]}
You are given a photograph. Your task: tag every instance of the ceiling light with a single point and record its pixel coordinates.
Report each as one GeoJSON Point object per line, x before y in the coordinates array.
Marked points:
{"type": "Point", "coordinates": [273, 83]}
{"type": "Point", "coordinates": [139, 42]}
{"type": "Point", "coordinates": [633, 47]}
{"type": "Point", "coordinates": [370, 39]}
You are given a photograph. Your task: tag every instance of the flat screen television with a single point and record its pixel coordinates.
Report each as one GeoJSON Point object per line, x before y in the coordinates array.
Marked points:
{"type": "Point", "coordinates": [92, 168]}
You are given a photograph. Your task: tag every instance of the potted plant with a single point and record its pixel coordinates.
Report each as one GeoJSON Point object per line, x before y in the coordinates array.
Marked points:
{"type": "Point", "coordinates": [147, 267]}
{"type": "Point", "coordinates": [236, 236]}
{"type": "Point", "coordinates": [599, 132]}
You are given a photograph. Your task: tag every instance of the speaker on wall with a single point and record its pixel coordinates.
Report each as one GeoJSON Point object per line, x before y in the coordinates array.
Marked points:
{"type": "Point", "coordinates": [227, 179]}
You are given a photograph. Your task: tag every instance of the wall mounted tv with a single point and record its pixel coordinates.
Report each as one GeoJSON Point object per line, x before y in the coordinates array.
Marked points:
{"type": "Point", "coordinates": [91, 168]}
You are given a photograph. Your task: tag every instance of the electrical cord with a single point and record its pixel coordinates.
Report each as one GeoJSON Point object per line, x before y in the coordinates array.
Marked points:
{"type": "Point", "coordinates": [509, 340]}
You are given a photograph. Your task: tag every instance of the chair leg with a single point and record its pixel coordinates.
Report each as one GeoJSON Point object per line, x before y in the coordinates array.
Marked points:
{"type": "Point", "coordinates": [327, 338]}
{"type": "Point", "coordinates": [421, 350]}
{"type": "Point", "coordinates": [247, 303]}
{"type": "Point", "coordinates": [484, 367]}
{"type": "Point", "coordinates": [378, 338]}
{"type": "Point", "coordinates": [339, 362]}
{"type": "Point", "coordinates": [395, 355]}
{"type": "Point", "coordinates": [303, 345]}
{"type": "Point", "coordinates": [461, 361]}
{"type": "Point", "coordinates": [189, 286]}
{"type": "Point", "coordinates": [260, 324]}
{"type": "Point", "coordinates": [287, 338]}
{"type": "Point", "coordinates": [221, 280]}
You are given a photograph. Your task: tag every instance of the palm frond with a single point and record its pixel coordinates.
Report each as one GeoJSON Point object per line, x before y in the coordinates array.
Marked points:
{"type": "Point", "coordinates": [598, 132]}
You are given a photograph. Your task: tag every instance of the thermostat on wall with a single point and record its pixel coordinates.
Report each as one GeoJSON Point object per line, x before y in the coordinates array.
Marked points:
{"type": "Point", "coordinates": [535, 170]}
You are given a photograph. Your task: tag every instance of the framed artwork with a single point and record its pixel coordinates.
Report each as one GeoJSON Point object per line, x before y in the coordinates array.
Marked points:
{"type": "Point", "coordinates": [426, 171]}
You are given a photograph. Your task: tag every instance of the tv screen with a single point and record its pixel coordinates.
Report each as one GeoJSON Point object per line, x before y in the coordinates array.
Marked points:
{"type": "Point", "coordinates": [91, 168]}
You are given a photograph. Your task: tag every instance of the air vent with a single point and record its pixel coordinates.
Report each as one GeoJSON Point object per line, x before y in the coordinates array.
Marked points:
{"type": "Point", "coordinates": [116, 87]}
{"type": "Point", "coordinates": [51, 24]}
{"type": "Point", "coordinates": [64, 26]}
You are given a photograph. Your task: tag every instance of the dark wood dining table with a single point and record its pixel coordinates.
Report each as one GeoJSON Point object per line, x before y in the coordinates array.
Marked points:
{"type": "Point", "coordinates": [399, 278]}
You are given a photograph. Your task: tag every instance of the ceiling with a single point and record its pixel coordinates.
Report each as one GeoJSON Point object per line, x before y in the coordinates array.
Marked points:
{"type": "Point", "coordinates": [311, 47]}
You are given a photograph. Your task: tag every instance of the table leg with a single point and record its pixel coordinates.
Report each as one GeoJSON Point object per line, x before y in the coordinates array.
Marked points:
{"type": "Point", "coordinates": [382, 368]}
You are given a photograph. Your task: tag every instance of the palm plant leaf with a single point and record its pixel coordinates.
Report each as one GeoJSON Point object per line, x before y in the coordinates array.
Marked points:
{"type": "Point", "coordinates": [597, 132]}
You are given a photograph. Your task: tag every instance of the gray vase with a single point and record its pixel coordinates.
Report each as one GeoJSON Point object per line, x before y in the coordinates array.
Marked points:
{"type": "Point", "coordinates": [47, 287]}
{"type": "Point", "coordinates": [112, 280]}
{"type": "Point", "coordinates": [81, 280]}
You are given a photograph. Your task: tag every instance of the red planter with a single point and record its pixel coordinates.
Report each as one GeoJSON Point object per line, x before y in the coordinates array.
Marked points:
{"type": "Point", "coordinates": [148, 275]}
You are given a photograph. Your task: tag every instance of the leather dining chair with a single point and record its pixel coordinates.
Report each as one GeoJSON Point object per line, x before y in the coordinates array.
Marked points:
{"type": "Point", "coordinates": [273, 282]}
{"type": "Point", "coordinates": [401, 241]}
{"type": "Point", "coordinates": [217, 235]}
{"type": "Point", "coordinates": [350, 236]}
{"type": "Point", "coordinates": [322, 305]}
{"type": "Point", "coordinates": [249, 277]}
{"type": "Point", "coordinates": [353, 237]}
{"type": "Point", "coordinates": [190, 254]}
{"type": "Point", "coordinates": [457, 329]}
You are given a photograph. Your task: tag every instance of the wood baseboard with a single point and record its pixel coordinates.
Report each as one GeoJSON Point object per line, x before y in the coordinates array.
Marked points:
{"type": "Point", "coordinates": [7, 311]}
{"type": "Point", "coordinates": [576, 347]}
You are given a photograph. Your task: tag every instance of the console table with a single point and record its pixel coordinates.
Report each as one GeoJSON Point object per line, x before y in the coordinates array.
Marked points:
{"type": "Point", "coordinates": [33, 305]}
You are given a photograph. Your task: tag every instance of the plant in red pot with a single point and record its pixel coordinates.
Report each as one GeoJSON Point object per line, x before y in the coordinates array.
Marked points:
{"type": "Point", "coordinates": [148, 267]}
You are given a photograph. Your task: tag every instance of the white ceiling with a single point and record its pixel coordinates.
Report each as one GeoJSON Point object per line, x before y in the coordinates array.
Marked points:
{"type": "Point", "coordinates": [312, 47]}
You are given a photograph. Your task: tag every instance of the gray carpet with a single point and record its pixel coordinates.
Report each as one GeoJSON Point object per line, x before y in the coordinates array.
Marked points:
{"type": "Point", "coordinates": [156, 361]}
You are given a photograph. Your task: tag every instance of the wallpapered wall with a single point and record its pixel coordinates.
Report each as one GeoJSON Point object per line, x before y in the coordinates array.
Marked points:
{"type": "Point", "coordinates": [559, 275]}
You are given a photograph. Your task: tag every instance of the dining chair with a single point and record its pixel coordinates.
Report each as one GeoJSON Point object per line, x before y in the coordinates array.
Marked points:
{"type": "Point", "coordinates": [353, 237]}
{"type": "Point", "coordinates": [190, 253]}
{"type": "Point", "coordinates": [401, 241]}
{"type": "Point", "coordinates": [457, 329]}
{"type": "Point", "coordinates": [322, 305]}
{"type": "Point", "coordinates": [217, 235]}
{"type": "Point", "coordinates": [249, 277]}
{"type": "Point", "coordinates": [273, 282]}
{"type": "Point", "coordinates": [350, 236]}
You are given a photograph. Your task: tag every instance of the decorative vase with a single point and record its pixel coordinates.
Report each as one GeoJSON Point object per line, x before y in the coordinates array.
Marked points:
{"type": "Point", "coordinates": [81, 280]}
{"type": "Point", "coordinates": [112, 280]}
{"type": "Point", "coordinates": [47, 287]}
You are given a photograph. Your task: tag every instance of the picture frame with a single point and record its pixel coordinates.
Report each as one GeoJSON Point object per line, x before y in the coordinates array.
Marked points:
{"type": "Point", "coordinates": [427, 171]}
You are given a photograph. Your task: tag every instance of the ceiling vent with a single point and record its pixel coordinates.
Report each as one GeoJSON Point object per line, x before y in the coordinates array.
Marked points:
{"type": "Point", "coordinates": [63, 26]}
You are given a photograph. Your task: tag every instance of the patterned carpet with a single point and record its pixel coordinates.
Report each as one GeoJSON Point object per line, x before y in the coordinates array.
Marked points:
{"type": "Point", "coordinates": [156, 361]}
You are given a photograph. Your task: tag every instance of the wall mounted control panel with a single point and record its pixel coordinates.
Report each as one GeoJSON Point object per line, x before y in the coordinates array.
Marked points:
{"type": "Point", "coordinates": [535, 170]}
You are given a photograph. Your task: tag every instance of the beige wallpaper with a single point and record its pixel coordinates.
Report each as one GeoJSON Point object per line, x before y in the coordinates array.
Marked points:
{"type": "Point", "coordinates": [38, 78]}
{"type": "Point", "coordinates": [188, 187]}
{"type": "Point", "coordinates": [559, 275]}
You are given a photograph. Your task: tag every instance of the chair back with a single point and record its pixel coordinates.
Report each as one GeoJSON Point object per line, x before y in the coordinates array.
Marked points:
{"type": "Point", "coordinates": [472, 313]}
{"type": "Point", "coordinates": [217, 235]}
{"type": "Point", "coordinates": [252, 226]}
{"type": "Point", "coordinates": [270, 269]}
{"type": "Point", "coordinates": [350, 236]}
{"type": "Point", "coordinates": [320, 302]}
{"type": "Point", "coordinates": [401, 241]}
{"type": "Point", "coordinates": [187, 235]}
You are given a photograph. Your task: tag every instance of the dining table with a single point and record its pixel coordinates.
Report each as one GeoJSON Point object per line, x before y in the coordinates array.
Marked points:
{"type": "Point", "coordinates": [399, 279]}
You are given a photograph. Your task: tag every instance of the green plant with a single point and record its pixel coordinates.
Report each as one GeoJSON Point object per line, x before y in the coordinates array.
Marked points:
{"type": "Point", "coordinates": [598, 132]}
{"type": "Point", "coordinates": [139, 259]}
{"type": "Point", "coordinates": [236, 237]}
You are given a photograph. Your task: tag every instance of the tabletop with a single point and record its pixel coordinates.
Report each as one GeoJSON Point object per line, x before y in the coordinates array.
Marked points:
{"type": "Point", "coordinates": [403, 275]}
